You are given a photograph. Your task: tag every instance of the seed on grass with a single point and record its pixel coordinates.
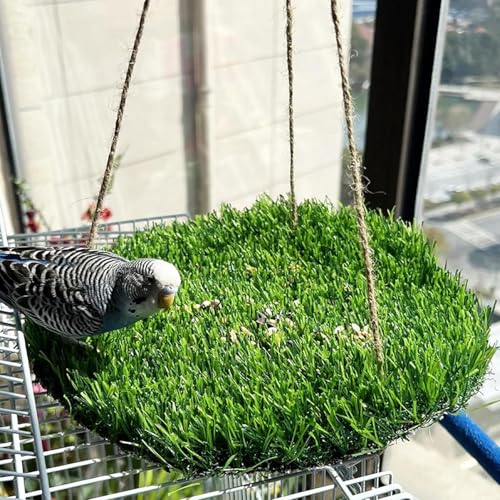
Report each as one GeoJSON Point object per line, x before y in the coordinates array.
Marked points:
{"type": "Point", "coordinates": [245, 331]}
{"type": "Point", "coordinates": [261, 318]}
{"type": "Point", "coordinates": [250, 269]}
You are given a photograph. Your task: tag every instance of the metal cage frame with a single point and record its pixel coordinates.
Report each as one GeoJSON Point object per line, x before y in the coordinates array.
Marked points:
{"type": "Point", "coordinates": [45, 454]}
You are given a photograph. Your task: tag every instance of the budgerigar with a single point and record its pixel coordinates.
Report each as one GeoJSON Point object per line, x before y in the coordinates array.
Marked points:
{"type": "Point", "coordinates": [77, 292]}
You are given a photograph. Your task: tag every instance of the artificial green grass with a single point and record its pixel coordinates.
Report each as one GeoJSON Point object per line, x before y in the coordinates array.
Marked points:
{"type": "Point", "coordinates": [281, 373]}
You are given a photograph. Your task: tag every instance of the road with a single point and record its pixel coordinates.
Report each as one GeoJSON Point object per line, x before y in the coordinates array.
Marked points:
{"type": "Point", "coordinates": [471, 92]}
{"type": "Point", "coordinates": [471, 244]}
{"type": "Point", "coordinates": [473, 164]}
{"type": "Point", "coordinates": [480, 231]}
{"type": "Point", "coordinates": [464, 175]}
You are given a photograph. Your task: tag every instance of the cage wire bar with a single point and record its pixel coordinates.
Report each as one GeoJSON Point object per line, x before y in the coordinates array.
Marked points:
{"type": "Point", "coordinates": [45, 454]}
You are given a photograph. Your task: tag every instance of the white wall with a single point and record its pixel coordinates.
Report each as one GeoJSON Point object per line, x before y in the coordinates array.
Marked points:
{"type": "Point", "coordinates": [7, 203]}
{"type": "Point", "coordinates": [66, 59]}
{"type": "Point", "coordinates": [251, 99]}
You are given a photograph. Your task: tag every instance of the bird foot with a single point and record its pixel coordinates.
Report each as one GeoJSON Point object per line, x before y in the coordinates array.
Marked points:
{"type": "Point", "coordinates": [81, 344]}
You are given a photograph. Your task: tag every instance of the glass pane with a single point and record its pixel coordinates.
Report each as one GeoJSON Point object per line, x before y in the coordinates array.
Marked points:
{"type": "Point", "coordinates": [363, 25]}
{"type": "Point", "coordinates": [362, 31]}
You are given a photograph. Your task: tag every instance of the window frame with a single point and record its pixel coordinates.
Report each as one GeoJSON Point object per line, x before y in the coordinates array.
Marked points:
{"type": "Point", "coordinates": [405, 72]}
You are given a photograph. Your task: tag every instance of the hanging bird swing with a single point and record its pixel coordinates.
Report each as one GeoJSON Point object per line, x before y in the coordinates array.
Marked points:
{"type": "Point", "coordinates": [281, 351]}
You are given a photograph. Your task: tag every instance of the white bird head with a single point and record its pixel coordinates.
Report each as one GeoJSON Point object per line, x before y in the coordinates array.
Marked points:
{"type": "Point", "coordinates": [166, 282]}
{"type": "Point", "coordinates": [147, 285]}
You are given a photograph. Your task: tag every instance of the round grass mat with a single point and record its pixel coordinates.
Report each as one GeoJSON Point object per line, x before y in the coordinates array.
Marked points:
{"type": "Point", "coordinates": [265, 359]}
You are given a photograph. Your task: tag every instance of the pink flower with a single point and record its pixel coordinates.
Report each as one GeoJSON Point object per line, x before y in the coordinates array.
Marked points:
{"type": "Point", "coordinates": [33, 226]}
{"type": "Point", "coordinates": [89, 213]}
{"type": "Point", "coordinates": [106, 214]}
{"type": "Point", "coordinates": [39, 388]}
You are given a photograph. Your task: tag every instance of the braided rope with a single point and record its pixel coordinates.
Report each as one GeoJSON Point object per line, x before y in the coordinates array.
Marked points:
{"type": "Point", "coordinates": [358, 188]}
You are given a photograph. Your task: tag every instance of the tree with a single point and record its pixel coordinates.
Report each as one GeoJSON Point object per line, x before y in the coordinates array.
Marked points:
{"type": "Point", "coordinates": [471, 54]}
{"type": "Point", "coordinates": [472, 47]}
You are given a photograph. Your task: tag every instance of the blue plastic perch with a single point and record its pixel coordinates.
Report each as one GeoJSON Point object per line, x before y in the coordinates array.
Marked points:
{"type": "Point", "coordinates": [475, 441]}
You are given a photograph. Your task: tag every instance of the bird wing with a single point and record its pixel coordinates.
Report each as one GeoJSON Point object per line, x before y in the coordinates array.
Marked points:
{"type": "Point", "coordinates": [65, 289]}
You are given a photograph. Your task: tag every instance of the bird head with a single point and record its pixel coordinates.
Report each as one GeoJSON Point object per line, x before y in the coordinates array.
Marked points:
{"type": "Point", "coordinates": [144, 286]}
{"type": "Point", "coordinates": [165, 281]}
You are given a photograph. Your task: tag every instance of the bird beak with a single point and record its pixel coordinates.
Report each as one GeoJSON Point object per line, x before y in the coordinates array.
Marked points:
{"type": "Point", "coordinates": [166, 298]}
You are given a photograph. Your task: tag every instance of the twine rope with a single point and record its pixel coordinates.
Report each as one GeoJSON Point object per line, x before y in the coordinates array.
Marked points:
{"type": "Point", "coordinates": [291, 141]}
{"type": "Point", "coordinates": [358, 188]}
{"type": "Point", "coordinates": [118, 122]}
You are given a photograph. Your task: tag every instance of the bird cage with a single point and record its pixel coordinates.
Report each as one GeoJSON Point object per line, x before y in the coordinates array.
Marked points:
{"type": "Point", "coordinates": [45, 454]}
